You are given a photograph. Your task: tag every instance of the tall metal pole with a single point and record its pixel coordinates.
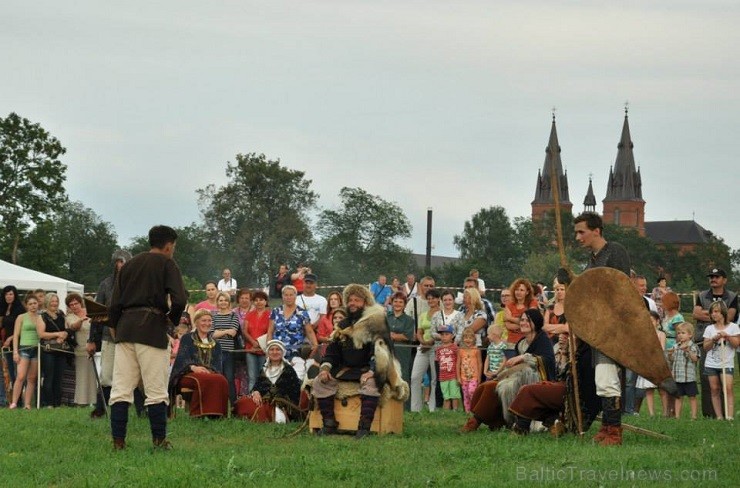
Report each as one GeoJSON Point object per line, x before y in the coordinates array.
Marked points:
{"type": "Point", "coordinates": [428, 262]}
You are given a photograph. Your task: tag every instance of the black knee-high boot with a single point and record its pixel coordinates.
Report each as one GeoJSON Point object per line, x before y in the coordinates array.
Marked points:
{"type": "Point", "coordinates": [326, 407]}
{"type": "Point", "coordinates": [118, 423]}
{"type": "Point", "coordinates": [611, 411]}
{"type": "Point", "coordinates": [368, 404]}
{"type": "Point", "coordinates": [158, 420]}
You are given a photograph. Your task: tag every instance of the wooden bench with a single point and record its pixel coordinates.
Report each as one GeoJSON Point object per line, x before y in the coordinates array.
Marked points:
{"type": "Point", "coordinates": [388, 417]}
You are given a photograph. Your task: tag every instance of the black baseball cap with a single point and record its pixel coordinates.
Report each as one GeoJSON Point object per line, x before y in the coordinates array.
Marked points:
{"type": "Point", "coordinates": [717, 272]}
{"type": "Point", "coordinates": [310, 277]}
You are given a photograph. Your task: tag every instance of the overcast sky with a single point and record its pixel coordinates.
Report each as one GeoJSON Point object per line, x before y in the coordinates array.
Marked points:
{"type": "Point", "coordinates": [426, 103]}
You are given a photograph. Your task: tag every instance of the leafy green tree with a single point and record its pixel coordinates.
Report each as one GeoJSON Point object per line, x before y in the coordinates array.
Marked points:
{"type": "Point", "coordinates": [488, 243]}
{"type": "Point", "coordinates": [541, 267]}
{"type": "Point", "coordinates": [259, 219]}
{"type": "Point", "coordinates": [359, 240]}
{"type": "Point", "coordinates": [32, 179]}
{"type": "Point", "coordinates": [75, 243]}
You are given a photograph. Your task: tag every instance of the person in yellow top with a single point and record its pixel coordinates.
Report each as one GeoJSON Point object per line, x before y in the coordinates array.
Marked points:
{"type": "Point", "coordinates": [25, 351]}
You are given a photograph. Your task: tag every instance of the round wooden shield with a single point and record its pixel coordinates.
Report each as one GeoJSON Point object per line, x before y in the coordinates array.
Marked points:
{"type": "Point", "coordinates": [605, 310]}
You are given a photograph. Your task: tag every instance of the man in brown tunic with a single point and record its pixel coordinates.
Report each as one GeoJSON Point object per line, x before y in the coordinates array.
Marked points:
{"type": "Point", "coordinates": [140, 315]}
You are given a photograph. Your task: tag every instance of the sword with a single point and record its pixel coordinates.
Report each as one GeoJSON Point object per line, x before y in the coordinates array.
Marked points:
{"type": "Point", "coordinates": [97, 380]}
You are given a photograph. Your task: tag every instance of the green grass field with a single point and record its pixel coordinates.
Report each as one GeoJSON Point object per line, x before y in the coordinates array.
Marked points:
{"type": "Point", "coordinates": [64, 447]}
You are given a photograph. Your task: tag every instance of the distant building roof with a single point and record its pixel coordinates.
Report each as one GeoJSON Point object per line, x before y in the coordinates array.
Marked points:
{"type": "Point", "coordinates": [437, 261]}
{"type": "Point", "coordinates": [677, 232]}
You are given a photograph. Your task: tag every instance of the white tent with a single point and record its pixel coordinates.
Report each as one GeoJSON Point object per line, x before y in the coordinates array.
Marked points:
{"type": "Point", "coordinates": [28, 279]}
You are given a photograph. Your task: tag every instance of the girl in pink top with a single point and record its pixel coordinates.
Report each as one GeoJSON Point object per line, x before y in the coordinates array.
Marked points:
{"type": "Point", "coordinates": [469, 366]}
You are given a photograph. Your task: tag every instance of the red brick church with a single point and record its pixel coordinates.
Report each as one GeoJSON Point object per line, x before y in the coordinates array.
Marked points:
{"type": "Point", "coordinates": [623, 204]}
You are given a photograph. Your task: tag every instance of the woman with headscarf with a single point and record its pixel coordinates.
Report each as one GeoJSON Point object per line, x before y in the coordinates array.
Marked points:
{"type": "Point", "coordinates": [291, 325]}
{"type": "Point", "coordinates": [276, 396]}
{"type": "Point", "coordinates": [534, 362]}
{"type": "Point", "coordinates": [197, 368]}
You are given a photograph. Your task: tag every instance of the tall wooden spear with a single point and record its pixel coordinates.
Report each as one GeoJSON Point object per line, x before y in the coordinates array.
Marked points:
{"type": "Point", "coordinates": [555, 188]}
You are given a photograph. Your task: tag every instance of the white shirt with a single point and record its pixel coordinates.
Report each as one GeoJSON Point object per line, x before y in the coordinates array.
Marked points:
{"type": "Point", "coordinates": [719, 352]}
{"type": "Point", "coordinates": [481, 286]}
{"type": "Point", "coordinates": [651, 303]}
{"type": "Point", "coordinates": [421, 306]}
{"type": "Point", "coordinates": [315, 306]}
{"type": "Point", "coordinates": [227, 286]}
{"type": "Point", "coordinates": [411, 291]}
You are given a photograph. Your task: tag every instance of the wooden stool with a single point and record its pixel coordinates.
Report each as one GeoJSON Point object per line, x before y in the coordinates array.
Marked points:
{"type": "Point", "coordinates": [388, 417]}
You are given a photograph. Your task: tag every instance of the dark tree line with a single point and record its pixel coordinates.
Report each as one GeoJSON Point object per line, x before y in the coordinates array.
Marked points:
{"type": "Point", "coordinates": [267, 215]}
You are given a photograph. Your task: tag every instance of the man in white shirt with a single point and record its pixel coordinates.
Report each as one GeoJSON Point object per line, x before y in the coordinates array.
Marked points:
{"type": "Point", "coordinates": [227, 284]}
{"type": "Point", "coordinates": [314, 304]}
{"type": "Point", "coordinates": [481, 284]}
{"type": "Point", "coordinates": [414, 311]}
{"type": "Point", "coordinates": [411, 287]}
{"type": "Point", "coordinates": [641, 285]}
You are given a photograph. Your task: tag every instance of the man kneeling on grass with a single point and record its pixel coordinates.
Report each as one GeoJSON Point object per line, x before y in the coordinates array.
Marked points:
{"type": "Point", "coordinates": [360, 351]}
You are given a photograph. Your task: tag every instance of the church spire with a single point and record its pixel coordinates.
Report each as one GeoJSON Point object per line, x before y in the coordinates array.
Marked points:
{"type": "Point", "coordinates": [589, 203]}
{"type": "Point", "coordinates": [625, 183]}
{"type": "Point", "coordinates": [543, 197]}
{"type": "Point", "coordinates": [623, 203]}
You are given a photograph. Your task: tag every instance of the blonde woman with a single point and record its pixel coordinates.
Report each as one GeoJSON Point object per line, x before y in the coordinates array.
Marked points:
{"type": "Point", "coordinates": [25, 351]}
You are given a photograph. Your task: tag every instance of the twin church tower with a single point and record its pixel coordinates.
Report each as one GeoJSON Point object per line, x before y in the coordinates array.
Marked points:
{"type": "Point", "coordinates": [623, 204]}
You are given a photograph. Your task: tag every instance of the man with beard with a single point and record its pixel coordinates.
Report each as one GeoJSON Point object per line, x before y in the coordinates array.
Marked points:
{"type": "Point", "coordinates": [359, 352]}
{"type": "Point", "coordinates": [717, 291]}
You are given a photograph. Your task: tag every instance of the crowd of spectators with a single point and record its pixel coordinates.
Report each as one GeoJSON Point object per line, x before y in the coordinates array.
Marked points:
{"type": "Point", "coordinates": [252, 345]}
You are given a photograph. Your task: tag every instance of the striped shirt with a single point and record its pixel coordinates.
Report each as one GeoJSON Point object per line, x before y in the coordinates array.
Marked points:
{"type": "Point", "coordinates": [225, 322]}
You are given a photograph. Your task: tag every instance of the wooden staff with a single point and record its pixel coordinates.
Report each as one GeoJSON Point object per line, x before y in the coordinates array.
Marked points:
{"type": "Point", "coordinates": [555, 187]}
{"type": "Point", "coordinates": [38, 375]}
{"type": "Point", "coordinates": [723, 352]}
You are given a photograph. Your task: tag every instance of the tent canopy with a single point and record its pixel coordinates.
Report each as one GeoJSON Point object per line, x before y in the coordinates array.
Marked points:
{"type": "Point", "coordinates": [28, 279]}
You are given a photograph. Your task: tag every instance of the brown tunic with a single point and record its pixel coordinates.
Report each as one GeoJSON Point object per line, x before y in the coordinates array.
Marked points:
{"type": "Point", "coordinates": [139, 310]}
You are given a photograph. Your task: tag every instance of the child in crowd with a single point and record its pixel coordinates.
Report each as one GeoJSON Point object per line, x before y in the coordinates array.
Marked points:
{"type": "Point", "coordinates": [182, 329]}
{"type": "Point", "coordinates": [683, 357]}
{"type": "Point", "coordinates": [721, 340]}
{"type": "Point", "coordinates": [495, 352]}
{"type": "Point", "coordinates": [447, 357]}
{"type": "Point", "coordinates": [469, 366]}
{"type": "Point", "coordinates": [644, 384]}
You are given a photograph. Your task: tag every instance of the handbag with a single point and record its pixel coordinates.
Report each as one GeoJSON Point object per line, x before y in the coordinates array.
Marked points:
{"type": "Point", "coordinates": [239, 343]}
{"type": "Point", "coordinates": [51, 345]}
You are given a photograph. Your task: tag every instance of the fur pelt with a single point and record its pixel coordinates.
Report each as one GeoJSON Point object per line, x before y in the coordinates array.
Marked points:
{"type": "Point", "coordinates": [372, 328]}
{"type": "Point", "coordinates": [508, 387]}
